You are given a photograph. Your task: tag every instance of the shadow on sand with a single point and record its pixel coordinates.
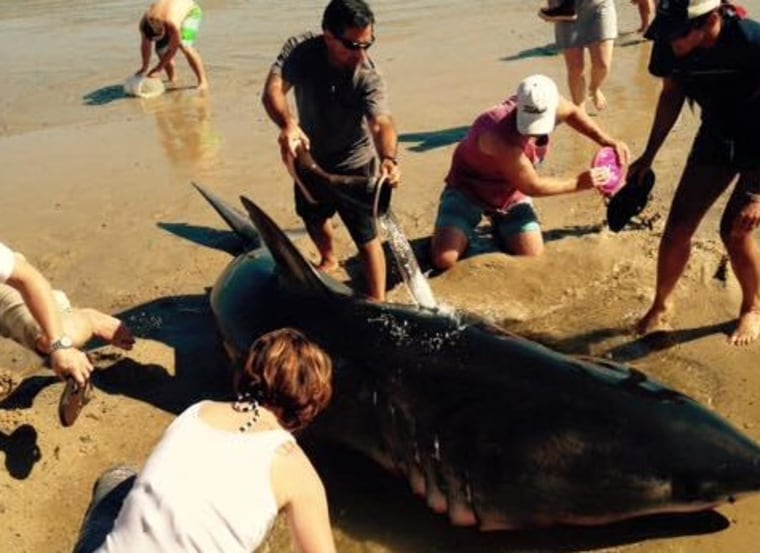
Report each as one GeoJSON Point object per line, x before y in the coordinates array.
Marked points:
{"type": "Point", "coordinates": [547, 50]}
{"type": "Point", "coordinates": [105, 95]}
{"type": "Point", "coordinates": [429, 140]}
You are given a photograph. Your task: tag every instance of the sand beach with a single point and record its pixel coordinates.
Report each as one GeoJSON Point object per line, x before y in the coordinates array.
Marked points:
{"type": "Point", "coordinates": [96, 192]}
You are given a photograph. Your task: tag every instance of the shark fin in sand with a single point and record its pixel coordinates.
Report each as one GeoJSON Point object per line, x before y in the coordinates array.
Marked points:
{"type": "Point", "coordinates": [236, 219]}
{"type": "Point", "coordinates": [290, 260]}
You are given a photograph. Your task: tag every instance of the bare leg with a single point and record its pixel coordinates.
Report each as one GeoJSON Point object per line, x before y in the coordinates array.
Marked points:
{"type": "Point", "coordinates": [576, 81]}
{"type": "Point", "coordinates": [322, 236]}
{"type": "Point", "coordinates": [698, 189]}
{"type": "Point", "coordinates": [169, 69]}
{"type": "Point", "coordinates": [601, 61]}
{"type": "Point", "coordinates": [84, 324]}
{"type": "Point", "coordinates": [745, 260]}
{"type": "Point", "coordinates": [373, 259]}
{"type": "Point", "coordinates": [196, 64]}
{"type": "Point", "coordinates": [526, 243]}
{"type": "Point", "coordinates": [646, 7]}
{"type": "Point", "coordinates": [449, 243]}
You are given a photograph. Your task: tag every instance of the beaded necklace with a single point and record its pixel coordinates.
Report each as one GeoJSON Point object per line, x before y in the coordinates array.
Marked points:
{"type": "Point", "coordinates": [246, 404]}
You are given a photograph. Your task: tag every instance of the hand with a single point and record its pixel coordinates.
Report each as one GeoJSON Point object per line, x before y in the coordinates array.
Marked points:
{"type": "Point", "coordinates": [72, 362]}
{"type": "Point", "coordinates": [390, 172]}
{"type": "Point", "coordinates": [594, 178]}
{"type": "Point", "coordinates": [622, 151]}
{"type": "Point", "coordinates": [748, 218]}
{"type": "Point", "coordinates": [291, 138]}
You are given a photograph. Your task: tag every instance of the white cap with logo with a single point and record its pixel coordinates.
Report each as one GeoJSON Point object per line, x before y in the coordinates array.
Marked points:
{"type": "Point", "coordinates": [537, 101]}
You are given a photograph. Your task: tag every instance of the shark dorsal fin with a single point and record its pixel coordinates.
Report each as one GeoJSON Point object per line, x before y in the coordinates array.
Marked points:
{"type": "Point", "coordinates": [289, 259]}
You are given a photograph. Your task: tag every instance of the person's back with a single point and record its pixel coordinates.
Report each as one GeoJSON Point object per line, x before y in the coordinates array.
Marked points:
{"type": "Point", "coordinates": [229, 508]}
{"type": "Point", "coordinates": [223, 470]}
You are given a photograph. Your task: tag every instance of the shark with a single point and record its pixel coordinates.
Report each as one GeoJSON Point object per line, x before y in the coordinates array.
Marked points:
{"type": "Point", "coordinates": [491, 429]}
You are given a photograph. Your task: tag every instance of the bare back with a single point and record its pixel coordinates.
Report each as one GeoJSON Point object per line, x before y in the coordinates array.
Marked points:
{"type": "Point", "coordinates": [172, 12]}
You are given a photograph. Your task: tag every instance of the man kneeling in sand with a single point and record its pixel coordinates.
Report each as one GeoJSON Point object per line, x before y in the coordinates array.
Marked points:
{"type": "Point", "coordinates": [173, 25]}
{"type": "Point", "coordinates": [493, 171]}
{"type": "Point", "coordinates": [42, 319]}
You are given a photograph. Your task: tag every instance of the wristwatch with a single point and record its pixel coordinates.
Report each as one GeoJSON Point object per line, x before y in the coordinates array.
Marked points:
{"type": "Point", "coordinates": [64, 342]}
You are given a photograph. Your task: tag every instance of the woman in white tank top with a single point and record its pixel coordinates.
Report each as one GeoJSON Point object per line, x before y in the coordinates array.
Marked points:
{"type": "Point", "coordinates": [223, 470]}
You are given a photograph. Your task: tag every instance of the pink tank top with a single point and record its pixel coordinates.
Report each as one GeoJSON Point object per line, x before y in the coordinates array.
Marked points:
{"type": "Point", "coordinates": [478, 174]}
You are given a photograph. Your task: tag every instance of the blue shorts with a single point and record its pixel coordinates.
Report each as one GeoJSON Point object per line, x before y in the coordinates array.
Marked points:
{"type": "Point", "coordinates": [459, 211]}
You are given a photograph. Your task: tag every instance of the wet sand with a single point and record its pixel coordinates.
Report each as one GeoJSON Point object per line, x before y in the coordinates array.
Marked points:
{"type": "Point", "coordinates": [96, 193]}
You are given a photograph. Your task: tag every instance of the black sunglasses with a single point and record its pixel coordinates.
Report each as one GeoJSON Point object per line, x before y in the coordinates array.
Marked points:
{"type": "Point", "coordinates": [351, 45]}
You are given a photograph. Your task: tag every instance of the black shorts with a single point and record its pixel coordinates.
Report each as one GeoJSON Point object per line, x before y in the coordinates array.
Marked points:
{"type": "Point", "coordinates": [360, 224]}
{"type": "Point", "coordinates": [710, 148]}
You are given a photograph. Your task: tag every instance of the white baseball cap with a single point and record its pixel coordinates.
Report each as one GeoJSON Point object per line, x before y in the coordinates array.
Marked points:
{"type": "Point", "coordinates": [537, 100]}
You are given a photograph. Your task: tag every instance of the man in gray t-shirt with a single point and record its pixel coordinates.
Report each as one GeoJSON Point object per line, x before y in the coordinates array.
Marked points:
{"type": "Point", "coordinates": [343, 119]}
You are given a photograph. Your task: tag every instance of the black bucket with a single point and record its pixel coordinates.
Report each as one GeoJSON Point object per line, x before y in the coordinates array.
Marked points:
{"type": "Point", "coordinates": [368, 194]}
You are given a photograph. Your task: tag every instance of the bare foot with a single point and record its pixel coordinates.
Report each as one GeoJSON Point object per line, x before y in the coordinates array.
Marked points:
{"type": "Point", "coordinates": [598, 99]}
{"type": "Point", "coordinates": [747, 329]}
{"type": "Point", "coordinates": [327, 265]}
{"type": "Point", "coordinates": [656, 319]}
{"type": "Point", "coordinates": [110, 329]}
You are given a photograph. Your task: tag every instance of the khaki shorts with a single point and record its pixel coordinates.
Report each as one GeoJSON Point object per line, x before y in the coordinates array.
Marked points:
{"type": "Point", "coordinates": [16, 321]}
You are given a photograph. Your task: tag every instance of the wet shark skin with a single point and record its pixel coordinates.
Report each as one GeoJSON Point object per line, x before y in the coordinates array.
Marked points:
{"type": "Point", "coordinates": [489, 427]}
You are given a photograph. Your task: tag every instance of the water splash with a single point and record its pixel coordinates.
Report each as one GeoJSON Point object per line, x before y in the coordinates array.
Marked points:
{"type": "Point", "coordinates": [416, 283]}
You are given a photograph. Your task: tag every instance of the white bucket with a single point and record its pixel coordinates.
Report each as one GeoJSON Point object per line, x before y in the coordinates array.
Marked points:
{"type": "Point", "coordinates": [144, 87]}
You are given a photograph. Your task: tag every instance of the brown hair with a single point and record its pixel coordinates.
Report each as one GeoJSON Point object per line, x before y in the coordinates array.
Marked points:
{"type": "Point", "coordinates": [289, 374]}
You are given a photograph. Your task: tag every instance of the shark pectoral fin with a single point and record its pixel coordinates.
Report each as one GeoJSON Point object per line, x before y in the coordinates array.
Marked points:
{"type": "Point", "coordinates": [237, 220]}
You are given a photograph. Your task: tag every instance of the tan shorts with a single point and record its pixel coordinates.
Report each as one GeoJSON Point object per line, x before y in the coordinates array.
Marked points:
{"type": "Point", "coordinates": [16, 321]}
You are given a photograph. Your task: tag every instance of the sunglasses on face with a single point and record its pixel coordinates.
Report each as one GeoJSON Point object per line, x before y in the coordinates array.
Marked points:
{"type": "Point", "coordinates": [351, 45]}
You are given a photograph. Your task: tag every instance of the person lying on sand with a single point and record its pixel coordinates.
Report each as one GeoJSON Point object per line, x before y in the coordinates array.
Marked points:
{"type": "Point", "coordinates": [43, 320]}
{"type": "Point", "coordinates": [493, 171]}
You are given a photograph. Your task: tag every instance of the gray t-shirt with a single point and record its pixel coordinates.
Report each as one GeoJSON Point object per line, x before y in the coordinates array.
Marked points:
{"type": "Point", "coordinates": [332, 105]}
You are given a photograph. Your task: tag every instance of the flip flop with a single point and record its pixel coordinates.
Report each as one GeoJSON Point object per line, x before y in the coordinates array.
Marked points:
{"type": "Point", "coordinates": [73, 398]}
{"type": "Point", "coordinates": [606, 157]}
{"type": "Point", "coordinates": [629, 201]}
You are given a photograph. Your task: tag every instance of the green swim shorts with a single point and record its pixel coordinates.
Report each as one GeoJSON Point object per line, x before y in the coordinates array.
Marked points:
{"type": "Point", "coordinates": [190, 26]}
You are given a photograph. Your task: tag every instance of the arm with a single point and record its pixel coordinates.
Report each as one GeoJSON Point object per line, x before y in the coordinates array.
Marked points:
{"type": "Point", "coordinates": [171, 51]}
{"type": "Point", "coordinates": [299, 491]}
{"type": "Point", "coordinates": [277, 108]}
{"type": "Point", "coordinates": [669, 105]}
{"type": "Point", "coordinates": [580, 121]}
{"type": "Point", "coordinates": [517, 168]}
{"type": "Point", "coordinates": [386, 142]}
{"type": "Point", "coordinates": [38, 297]}
{"type": "Point", "coordinates": [145, 47]}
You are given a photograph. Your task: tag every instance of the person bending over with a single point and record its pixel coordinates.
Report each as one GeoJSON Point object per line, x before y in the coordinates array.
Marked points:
{"type": "Point", "coordinates": [493, 171]}
{"type": "Point", "coordinates": [343, 120]}
{"type": "Point", "coordinates": [173, 26]}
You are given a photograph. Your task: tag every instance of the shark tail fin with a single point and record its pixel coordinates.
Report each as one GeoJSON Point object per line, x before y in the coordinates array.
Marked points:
{"type": "Point", "coordinates": [236, 219]}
